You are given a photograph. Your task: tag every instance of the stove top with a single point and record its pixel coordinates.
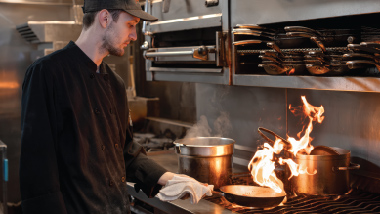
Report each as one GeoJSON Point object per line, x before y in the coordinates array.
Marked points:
{"type": "Point", "coordinates": [356, 201]}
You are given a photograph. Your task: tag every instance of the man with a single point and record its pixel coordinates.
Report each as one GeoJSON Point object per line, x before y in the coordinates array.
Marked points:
{"type": "Point", "coordinates": [77, 151]}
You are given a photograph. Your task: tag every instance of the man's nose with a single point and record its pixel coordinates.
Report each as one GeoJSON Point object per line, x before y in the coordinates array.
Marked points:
{"type": "Point", "coordinates": [133, 35]}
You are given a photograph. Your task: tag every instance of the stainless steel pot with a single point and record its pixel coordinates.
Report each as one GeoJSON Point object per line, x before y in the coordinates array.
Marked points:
{"type": "Point", "coordinates": [207, 159]}
{"type": "Point", "coordinates": [332, 175]}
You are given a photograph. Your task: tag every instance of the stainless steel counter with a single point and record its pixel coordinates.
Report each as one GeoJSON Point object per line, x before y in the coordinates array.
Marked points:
{"type": "Point", "coordinates": [168, 159]}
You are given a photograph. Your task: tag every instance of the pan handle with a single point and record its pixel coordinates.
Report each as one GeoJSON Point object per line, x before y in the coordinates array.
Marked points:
{"type": "Point", "coordinates": [352, 166]}
{"type": "Point", "coordinates": [363, 48]}
{"type": "Point", "coordinates": [319, 43]}
{"type": "Point", "coordinates": [351, 55]}
{"type": "Point", "coordinates": [260, 129]}
{"type": "Point", "coordinates": [247, 42]}
{"type": "Point", "coordinates": [301, 34]}
{"type": "Point", "coordinates": [272, 59]}
{"type": "Point", "coordinates": [218, 193]}
{"type": "Point", "coordinates": [275, 48]}
{"type": "Point", "coordinates": [359, 63]}
{"type": "Point", "coordinates": [370, 45]}
{"type": "Point", "coordinates": [301, 29]}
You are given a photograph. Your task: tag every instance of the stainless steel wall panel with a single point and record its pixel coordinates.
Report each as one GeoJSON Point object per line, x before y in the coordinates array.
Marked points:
{"type": "Point", "coordinates": [39, 2]}
{"type": "Point", "coordinates": [351, 118]}
{"type": "Point", "coordinates": [351, 121]}
{"type": "Point", "coordinates": [14, 59]}
{"type": "Point", "coordinates": [248, 108]}
{"type": "Point", "coordinates": [271, 11]}
{"type": "Point", "coordinates": [185, 15]}
{"type": "Point", "coordinates": [186, 23]}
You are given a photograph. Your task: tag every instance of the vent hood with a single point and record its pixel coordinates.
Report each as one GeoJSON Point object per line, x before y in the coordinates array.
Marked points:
{"type": "Point", "coordinates": [49, 31]}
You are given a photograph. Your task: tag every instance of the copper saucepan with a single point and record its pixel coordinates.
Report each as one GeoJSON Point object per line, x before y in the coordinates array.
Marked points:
{"type": "Point", "coordinates": [251, 196]}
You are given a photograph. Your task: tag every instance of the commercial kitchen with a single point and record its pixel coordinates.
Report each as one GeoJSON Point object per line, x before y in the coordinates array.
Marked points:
{"type": "Point", "coordinates": [217, 87]}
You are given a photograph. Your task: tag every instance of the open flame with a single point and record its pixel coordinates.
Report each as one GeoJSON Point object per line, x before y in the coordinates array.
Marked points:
{"type": "Point", "coordinates": [262, 165]}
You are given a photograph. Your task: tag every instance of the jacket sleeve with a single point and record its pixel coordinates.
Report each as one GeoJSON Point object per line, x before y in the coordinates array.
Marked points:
{"type": "Point", "coordinates": [39, 175]}
{"type": "Point", "coordinates": [139, 168]}
{"type": "Point", "coordinates": [144, 172]}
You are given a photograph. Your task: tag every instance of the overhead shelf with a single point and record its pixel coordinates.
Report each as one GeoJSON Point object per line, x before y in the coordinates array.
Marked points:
{"type": "Point", "coordinates": [359, 84]}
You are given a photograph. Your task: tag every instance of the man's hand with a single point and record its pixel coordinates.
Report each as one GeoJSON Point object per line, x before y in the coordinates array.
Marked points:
{"type": "Point", "coordinates": [183, 187]}
{"type": "Point", "coordinates": [165, 177]}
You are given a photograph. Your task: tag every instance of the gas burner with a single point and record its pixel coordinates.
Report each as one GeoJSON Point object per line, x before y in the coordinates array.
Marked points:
{"type": "Point", "coordinates": [152, 142]}
{"type": "Point", "coordinates": [159, 144]}
{"type": "Point", "coordinates": [143, 135]}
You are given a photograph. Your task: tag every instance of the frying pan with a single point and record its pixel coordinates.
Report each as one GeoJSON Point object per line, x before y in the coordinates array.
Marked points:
{"type": "Point", "coordinates": [314, 38]}
{"type": "Point", "coordinates": [328, 35]}
{"type": "Point", "coordinates": [281, 39]}
{"type": "Point", "coordinates": [251, 196]}
{"type": "Point", "coordinates": [276, 69]}
{"type": "Point", "coordinates": [324, 32]}
{"type": "Point", "coordinates": [318, 69]}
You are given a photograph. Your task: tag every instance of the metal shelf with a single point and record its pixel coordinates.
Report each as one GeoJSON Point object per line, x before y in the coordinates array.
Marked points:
{"type": "Point", "coordinates": [359, 84]}
{"type": "Point", "coordinates": [219, 77]}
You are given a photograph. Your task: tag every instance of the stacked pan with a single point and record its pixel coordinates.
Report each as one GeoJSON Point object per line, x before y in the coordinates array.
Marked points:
{"type": "Point", "coordinates": [327, 62]}
{"type": "Point", "coordinates": [320, 63]}
{"type": "Point", "coordinates": [325, 37]}
{"type": "Point", "coordinates": [276, 63]}
{"type": "Point", "coordinates": [366, 54]}
{"type": "Point", "coordinates": [254, 34]}
{"type": "Point", "coordinates": [288, 50]}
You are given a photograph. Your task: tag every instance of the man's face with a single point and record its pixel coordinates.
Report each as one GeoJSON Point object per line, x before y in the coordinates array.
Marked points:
{"type": "Point", "coordinates": [119, 34]}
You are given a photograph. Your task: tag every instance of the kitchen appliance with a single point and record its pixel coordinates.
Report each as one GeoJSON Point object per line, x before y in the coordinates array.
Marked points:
{"type": "Point", "coordinates": [187, 42]}
{"type": "Point", "coordinates": [207, 159]}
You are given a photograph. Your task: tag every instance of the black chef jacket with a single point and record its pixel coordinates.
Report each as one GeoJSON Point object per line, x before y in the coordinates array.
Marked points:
{"type": "Point", "coordinates": [76, 146]}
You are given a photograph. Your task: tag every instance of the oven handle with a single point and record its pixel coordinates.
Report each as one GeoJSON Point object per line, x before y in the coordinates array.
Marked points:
{"type": "Point", "coordinates": [170, 53]}
{"type": "Point", "coordinates": [145, 23]}
{"type": "Point", "coordinates": [197, 53]}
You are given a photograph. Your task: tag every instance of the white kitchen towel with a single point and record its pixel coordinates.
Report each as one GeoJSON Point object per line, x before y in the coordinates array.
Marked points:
{"type": "Point", "coordinates": [181, 185]}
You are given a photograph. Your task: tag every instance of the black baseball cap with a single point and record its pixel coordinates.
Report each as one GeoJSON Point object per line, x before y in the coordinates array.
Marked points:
{"type": "Point", "coordinates": [130, 6]}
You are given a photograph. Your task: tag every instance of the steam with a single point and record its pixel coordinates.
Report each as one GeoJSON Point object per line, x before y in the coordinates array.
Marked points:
{"type": "Point", "coordinates": [222, 127]}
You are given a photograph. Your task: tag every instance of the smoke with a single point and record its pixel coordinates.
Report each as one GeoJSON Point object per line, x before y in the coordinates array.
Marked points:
{"type": "Point", "coordinates": [222, 127]}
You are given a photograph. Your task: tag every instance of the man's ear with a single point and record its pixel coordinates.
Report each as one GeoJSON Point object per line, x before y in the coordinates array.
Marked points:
{"type": "Point", "coordinates": [104, 18]}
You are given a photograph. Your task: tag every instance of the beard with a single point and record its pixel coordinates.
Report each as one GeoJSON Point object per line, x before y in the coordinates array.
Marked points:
{"type": "Point", "coordinates": [110, 43]}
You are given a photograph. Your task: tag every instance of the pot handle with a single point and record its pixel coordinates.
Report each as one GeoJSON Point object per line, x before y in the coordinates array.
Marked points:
{"type": "Point", "coordinates": [178, 146]}
{"type": "Point", "coordinates": [352, 166]}
{"type": "Point", "coordinates": [260, 129]}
